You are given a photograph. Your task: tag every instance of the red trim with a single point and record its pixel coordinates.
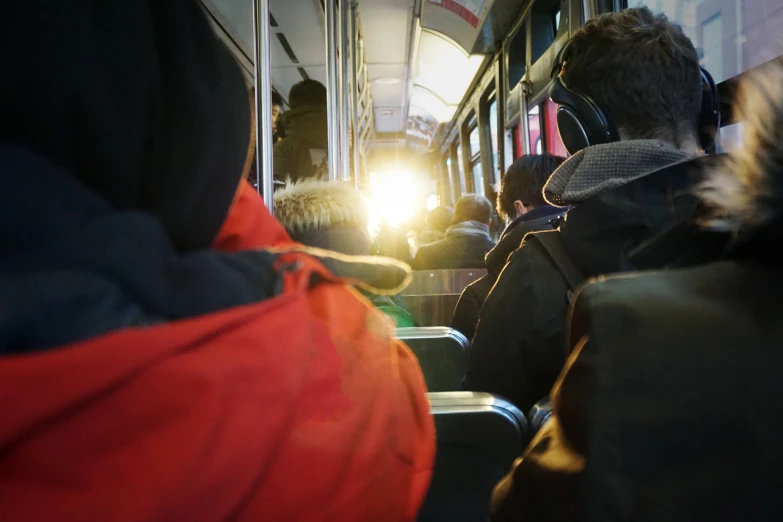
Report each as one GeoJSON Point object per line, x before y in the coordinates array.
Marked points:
{"type": "Point", "coordinates": [460, 10]}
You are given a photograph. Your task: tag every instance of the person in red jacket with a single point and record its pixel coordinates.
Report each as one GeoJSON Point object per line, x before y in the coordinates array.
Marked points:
{"type": "Point", "coordinates": [165, 355]}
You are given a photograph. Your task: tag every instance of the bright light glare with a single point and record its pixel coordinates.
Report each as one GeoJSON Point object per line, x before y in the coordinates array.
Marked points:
{"type": "Point", "coordinates": [432, 202]}
{"type": "Point", "coordinates": [393, 195]}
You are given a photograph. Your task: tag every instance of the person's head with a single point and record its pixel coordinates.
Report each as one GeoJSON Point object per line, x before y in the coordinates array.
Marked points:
{"type": "Point", "coordinates": [325, 214]}
{"type": "Point", "coordinates": [472, 207]}
{"type": "Point", "coordinates": [643, 71]}
{"type": "Point", "coordinates": [439, 219]}
{"type": "Point", "coordinates": [522, 186]}
{"type": "Point", "coordinates": [277, 107]}
{"type": "Point", "coordinates": [307, 92]}
{"type": "Point", "coordinates": [140, 89]}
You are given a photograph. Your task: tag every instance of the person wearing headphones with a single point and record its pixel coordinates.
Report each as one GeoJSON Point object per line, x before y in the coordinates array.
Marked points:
{"type": "Point", "coordinates": [635, 110]}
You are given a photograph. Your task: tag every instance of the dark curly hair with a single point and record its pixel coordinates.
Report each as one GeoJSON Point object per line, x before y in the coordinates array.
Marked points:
{"type": "Point", "coordinates": [642, 70]}
{"type": "Point", "coordinates": [524, 181]}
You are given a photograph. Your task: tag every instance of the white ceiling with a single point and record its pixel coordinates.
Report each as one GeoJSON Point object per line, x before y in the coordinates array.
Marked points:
{"type": "Point", "coordinates": [387, 26]}
{"type": "Point", "coordinates": [302, 22]}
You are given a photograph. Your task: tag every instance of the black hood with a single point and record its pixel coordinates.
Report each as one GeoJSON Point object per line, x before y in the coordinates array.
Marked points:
{"type": "Point", "coordinates": [542, 218]}
{"type": "Point", "coordinates": [147, 117]}
{"type": "Point", "coordinates": [601, 232]}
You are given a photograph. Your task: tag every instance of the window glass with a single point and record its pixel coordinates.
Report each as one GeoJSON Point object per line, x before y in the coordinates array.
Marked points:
{"type": "Point", "coordinates": [732, 36]}
{"type": "Point", "coordinates": [475, 142]}
{"type": "Point", "coordinates": [554, 145]}
{"type": "Point", "coordinates": [461, 170]}
{"type": "Point", "coordinates": [534, 127]}
{"type": "Point", "coordinates": [493, 133]}
{"type": "Point", "coordinates": [731, 137]}
{"type": "Point", "coordinates": [478, 178]}
{"type": "Point", "coordinates": [557, 21]}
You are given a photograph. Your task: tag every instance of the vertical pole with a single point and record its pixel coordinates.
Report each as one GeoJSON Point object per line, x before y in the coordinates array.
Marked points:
{"type": "Point", "coordinates": [345, 86]}
{"type": "Point", "coordinates": [263, 84]}
{"type": "Point", "coordinates": [357, 142]}
{"type": "Point", "coordinates": [332, 75]}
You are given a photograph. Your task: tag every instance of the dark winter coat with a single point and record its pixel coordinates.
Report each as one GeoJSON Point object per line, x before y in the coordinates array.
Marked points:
{"type": "Point", "coordinates": [465, 246]}
{"type": "Point", "coordinates": [466, 315]}
{"type": "Point", "coordinates": [517, 351]}
{"type": "Point", "coordinates": [303, 153]}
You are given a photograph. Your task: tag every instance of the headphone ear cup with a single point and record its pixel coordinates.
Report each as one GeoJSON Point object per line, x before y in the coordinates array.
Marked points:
{"type": "Point", "coordinates": [709, 118]}
{"type": "Point", "coordinates": [572, 132]}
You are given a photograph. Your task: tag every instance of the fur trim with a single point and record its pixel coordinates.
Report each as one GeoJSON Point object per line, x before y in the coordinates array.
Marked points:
{"type": "Point", "coordinates": [747, 191]}
{"type": "Point", "coordinates": [313, 204]}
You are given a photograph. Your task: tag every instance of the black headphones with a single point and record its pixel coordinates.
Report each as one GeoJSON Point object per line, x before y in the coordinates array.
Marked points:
{"type": "Point", "coordinates": [581, 122]}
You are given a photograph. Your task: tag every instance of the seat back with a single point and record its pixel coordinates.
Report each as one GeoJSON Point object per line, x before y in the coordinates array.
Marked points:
{"type": "Point", "coordinates": [442, 354]}
{"type": "Point", "coordinates": [479, 437]}
{"type": "Point", "coordinates": [539, 414]}
{"type": "Point", "coordinates": [433, 294]}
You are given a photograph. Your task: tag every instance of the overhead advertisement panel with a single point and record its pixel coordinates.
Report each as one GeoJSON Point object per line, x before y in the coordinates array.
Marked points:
{"type": "Point", "coordinates": [468, 10]}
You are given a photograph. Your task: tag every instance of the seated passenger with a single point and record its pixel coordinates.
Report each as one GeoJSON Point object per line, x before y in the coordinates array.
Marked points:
{"type": "Point", "coordinates": [644, 73]}
{"type": "Point", "coordinates": [671, 396]}
{"type": "Point", "coordinates": [334, 216]}
{"type": "Point", "coordinates": [145, 376]}
{"type": "Point", "coordinates": [303, 152]}
{"type": "Point", "coordinates": [467, 239]}
{"type": "Point", "coordinates": [521, 204]}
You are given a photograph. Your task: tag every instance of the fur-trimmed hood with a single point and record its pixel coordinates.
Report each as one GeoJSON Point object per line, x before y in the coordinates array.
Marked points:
{"type": "Point", "coordinates": [311, 204]}
{"type": "Point", "coordinates": [747, 191]}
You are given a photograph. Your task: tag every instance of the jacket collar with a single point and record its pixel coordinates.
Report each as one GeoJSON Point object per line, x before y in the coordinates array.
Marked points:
{"type": "Point", "coordinates": [534, 215]}
{"type": "Point", "coordinates": [468, 228]}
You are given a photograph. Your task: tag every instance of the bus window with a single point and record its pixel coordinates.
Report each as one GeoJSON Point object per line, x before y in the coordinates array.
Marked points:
{"type": "Point", "coordinates": [554, 145]}
{"type": "Point", "coordinates": [545, 26]}
{"type": "Point", "coordinates": [731, 36]}
{"type": "Point", "coordinates": [557, 20]}
{"type": "Point", "coordinates": [535, 127]}
{"type": "Point", "coordinates": [463, 189]}
{"type": "Point", "coordinates": [453, 183]}
{"type": "Point", "coordinates": [475, 160]}
{"type": "Point", "coordinates": [493, 134]}
{"type": "Point", "coordinates": [731, 137]}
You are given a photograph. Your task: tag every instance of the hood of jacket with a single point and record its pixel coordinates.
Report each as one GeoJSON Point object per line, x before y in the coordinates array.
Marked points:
{"type": "Point", "coordinates": [468, 228]}
{"type": "Point", "coordinates": [594, 170]}
{"type": "Point", "coordinates": [309, 124]}
{"type": "Point", "coordinates": [541, 218]}
{"type": "Point", "coordinates": [324, 214]}
{"type": "Point", "coordinates": [601, 231]}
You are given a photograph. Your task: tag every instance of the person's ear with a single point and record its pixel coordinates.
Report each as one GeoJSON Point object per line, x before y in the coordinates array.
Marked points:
{"type": "Point", "coordinates": [521, 208]}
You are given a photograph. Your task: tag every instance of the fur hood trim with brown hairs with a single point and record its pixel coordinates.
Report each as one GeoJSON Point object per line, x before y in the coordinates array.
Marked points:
{"type": "Point", "coordinates": [313, 204]}
{"type": "Point", "coordinates": [746, 192]}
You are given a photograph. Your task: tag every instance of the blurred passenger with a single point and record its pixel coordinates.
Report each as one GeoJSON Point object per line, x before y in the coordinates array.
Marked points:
{"type": "Point", "coordinates": [467, 239]}
{"type": "Point", "coordinates": [277, 108]}
{"type": "Point", "coordinates": [334, 216]}
{"type": "Point", "coordinates": [672, 394]}
{"type": "Point", "coordinates": [644, 72]}
{"type": "Point", "coordinates": [438, 221]}
{"type": "Point", "coordinates": [145, 376]}
{"type": "Point", "coordinates": [303, 152]}
{"type": "Point", "coordinates": [521, 204]}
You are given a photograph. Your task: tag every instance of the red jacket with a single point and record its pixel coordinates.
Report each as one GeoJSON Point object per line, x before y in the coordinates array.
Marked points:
{"type": "Point", "coordinates": [298, 408]}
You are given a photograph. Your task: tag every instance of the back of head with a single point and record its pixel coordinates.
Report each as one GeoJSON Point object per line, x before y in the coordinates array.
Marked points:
{"type": "Point", "coordinates": [307, 92]}
{"type": "Point", "coordinates": [746, 192]}
{"type": "Point", "coordinates": [643, 71]}
{"type": "Point", "coordinates": [440, 218]}
{"type": "Point", "coordinates": [137, 100]}
{"type": "Point", "coordinates": [325, 214]}
{"type": "Point", "coordinates": [472, 207]}
{"type": "Point", "coordinates": [524, 181]}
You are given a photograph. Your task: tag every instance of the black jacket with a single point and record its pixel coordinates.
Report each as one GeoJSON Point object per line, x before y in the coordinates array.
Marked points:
{"type": "Point", "coordinates": [518, 351]}
{"type": "Point", "coordinates": [465, 246]}
{"type": "Point", "coordinates": [466, 314]}
{"type": "Point", "coordinates": [670, 409]}
{"type": "Point", "coordinates": [303, 153]}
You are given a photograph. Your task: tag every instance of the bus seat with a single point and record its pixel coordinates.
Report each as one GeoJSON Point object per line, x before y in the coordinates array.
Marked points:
{"type": "Point", "coordinates": [479, 437]}
{"type": "Point", "coordinates": [433, 294]}
{"type": "Point", "coordinates": [539, 414]}
{"type": "Point", "coordinates": [442, 354]}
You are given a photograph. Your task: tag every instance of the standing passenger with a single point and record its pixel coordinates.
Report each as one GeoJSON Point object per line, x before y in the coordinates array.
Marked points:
{"type": "Point", "coordinates": [467, 240]}
{"type": "Point", "coordinates": [521, 203]}
{"type": "Point", "coordinates": [303, 152]}
{"type": "Point", "coordinates": [644, 73]}
{"type": "Point", "coordinates": [145, 376]}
